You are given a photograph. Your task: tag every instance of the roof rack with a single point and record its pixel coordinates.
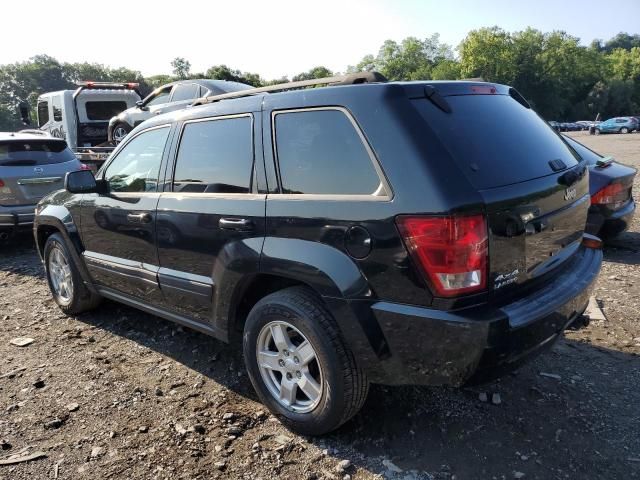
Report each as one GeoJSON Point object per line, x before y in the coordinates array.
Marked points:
{"type": "Point", "coordinates": [350, 79]}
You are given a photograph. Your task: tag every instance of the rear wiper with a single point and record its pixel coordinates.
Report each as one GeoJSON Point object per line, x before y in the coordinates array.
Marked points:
{"type": "Point", "coordinates": [438, 100]}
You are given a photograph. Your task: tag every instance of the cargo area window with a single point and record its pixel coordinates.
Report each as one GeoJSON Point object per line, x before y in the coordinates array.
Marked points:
{"type": "Point", "coordinates": [215, 156]}
{"type": "Point", "coordinates": [320, 152]}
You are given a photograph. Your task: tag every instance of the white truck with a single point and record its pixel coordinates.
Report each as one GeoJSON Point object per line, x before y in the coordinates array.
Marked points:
{"type": "Point", "coordinates": [81, 116]}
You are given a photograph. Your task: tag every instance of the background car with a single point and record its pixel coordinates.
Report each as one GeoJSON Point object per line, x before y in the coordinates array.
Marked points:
{"type": "Point", "coordinates": [618, 125]}
{"type": "Point", "coordinates": [169, 97]}
{"type": "Point", "coordinates": [32, 164]}
{"type": "Point", "coordinates": [610, 183]}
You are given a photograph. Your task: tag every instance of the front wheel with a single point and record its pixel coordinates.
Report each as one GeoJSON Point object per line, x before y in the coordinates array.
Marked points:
{"type": "Point", "coordinates": [299, 364]}
{"type": "Point", "coordinates": [65, 281]}
{"type": "Point", "coordinates": [120, 131]}
{"type": "Point", "coordinates": [597, 132]}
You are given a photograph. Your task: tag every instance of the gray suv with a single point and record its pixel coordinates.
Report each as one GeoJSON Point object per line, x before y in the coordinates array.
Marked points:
{"type": "Point", "coordinates": [169, 97]}
{"type": "Point", "coordinates": [32, 165]}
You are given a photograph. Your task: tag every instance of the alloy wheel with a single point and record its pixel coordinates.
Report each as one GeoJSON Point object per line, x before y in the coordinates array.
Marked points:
{"type": "Point", "coordinates": [60, 275]}
{"type": "Point", "coordinates": [289, 366]}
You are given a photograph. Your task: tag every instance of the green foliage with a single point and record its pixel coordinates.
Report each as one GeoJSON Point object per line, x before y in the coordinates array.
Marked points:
{"type": "Point", "coordinates": [181, 67]}
{"type": "Point", "coordinates": [316, 72]}
{"type": "Point", "coordinates": [222, 72]}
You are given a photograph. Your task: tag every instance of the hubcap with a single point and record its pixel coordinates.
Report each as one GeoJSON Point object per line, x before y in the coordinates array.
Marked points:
{"type": "Point", "coordinates": [60, 275]}
{"type": "Point", "coordinates": [119, 133]}
{"type": "Point", "coordinates": [289, 367]}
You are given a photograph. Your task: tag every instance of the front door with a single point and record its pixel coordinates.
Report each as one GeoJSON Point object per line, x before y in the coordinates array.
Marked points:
{"type": "Point", "coordinates": [210, 222]}
{"type": "Point", "coordinates": [118, 228]}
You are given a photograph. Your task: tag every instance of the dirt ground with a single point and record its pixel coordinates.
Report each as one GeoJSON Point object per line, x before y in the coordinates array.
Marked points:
{"type": "Point", "coordinates": [120, 394]}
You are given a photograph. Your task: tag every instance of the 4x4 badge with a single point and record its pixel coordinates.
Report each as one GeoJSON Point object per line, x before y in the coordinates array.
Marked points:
{"type": "Point", "coordinates": [570, 193]}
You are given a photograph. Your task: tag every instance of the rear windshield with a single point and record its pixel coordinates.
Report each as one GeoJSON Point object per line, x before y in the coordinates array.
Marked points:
{"type": "Point", "coordinates": [104, 110]}
{"type": "Point", "coordinates": [42, 152]}
{"type": "Point", "coordinates": [495, 140]}
{"type": "Point", "coordinates": [587, 154]}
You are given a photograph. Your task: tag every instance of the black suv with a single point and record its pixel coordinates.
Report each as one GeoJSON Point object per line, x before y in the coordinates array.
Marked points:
{"type": "Point", "coordinates": [353, 233]}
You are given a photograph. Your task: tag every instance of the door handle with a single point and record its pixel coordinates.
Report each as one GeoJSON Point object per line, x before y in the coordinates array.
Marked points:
{"type": "Point", "coordinates": [235, 224]}
{"type": "Point", "coordinates": [139, 217]}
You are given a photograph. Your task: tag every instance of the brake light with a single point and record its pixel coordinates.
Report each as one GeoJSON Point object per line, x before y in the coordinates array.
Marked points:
{"type": "Point", "coordinates": [1, 183]}
{"type": "Point", "coordinates": [84, 166]}
{"type": "Point", "coordinates": [90, 84]}
{"type": "Point", "coordinates": [132, 85]}
{"type": "Point", "coordinates": [452, 252]}
{"type": "Point", "coordinates": [483, 89]}
{"type": "Point", "coordinates": [614, 195]}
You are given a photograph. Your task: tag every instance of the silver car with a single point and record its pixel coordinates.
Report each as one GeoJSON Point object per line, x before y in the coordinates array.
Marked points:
{"type": "Point", "coordinates": [31, 166]}
{"type": "Point", "coordinates": [169, 97]}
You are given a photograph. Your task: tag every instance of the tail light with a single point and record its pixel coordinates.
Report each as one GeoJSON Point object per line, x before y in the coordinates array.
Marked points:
{"type": "Point", "coordinates": [614, 195]}
{"type": "Point", "coordinates": [452, 251]}
{"type": "Point", "coordinates": [1, 183]}
{"type": "Point", "coordinates": [84, 166]}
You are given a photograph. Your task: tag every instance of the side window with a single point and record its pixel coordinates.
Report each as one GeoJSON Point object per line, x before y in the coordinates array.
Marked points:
{"type": "Point", "coordinates": [56, 103]}
{"type": "Point", "coordinates": [185, 91]}
{"type": "Point", "coordinates": [136, 166]}
{"type": "Point", "coordinates": [160, 98]}
{"type": "Point", "coordinates": [320, 152]}
{"type": "Point", "coordinates": [215, 156]}
{"type": "Point", "coordinates": [621, 120]}
{"type": "Point", "coordinates": [43, 113]}
{"type": "Point", "coordinates": [203, 91]}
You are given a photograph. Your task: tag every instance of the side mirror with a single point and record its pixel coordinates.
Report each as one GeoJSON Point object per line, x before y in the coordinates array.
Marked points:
{"type": "Point", "coordinates": [82, 181]}
{"type": "Point", "coordinates": [140, 105]}
{"type": "Point", "coordinates": [24, 112]}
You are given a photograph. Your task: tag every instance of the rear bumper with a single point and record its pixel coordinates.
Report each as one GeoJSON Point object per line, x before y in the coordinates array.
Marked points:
{"type": "Point", "coordinates": [15, 218]}
{"type": "Point", "coordinates": [425, 346]}
{"type": "Point", "coordinates": [604, 222]}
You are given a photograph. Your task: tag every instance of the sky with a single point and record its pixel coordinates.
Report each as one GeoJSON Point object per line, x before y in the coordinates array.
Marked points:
{"type": "Point", "coordinates": [276, 38]}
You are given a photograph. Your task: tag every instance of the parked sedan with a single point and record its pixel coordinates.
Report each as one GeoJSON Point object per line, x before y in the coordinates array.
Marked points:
{"type": "Point", "coordinates": [31, 166]}
{"type": "Point", "coordinates": [610, 184]}
{"type": "Point", "coordinates": [167, 98]}
{"type": "Point", "coordinates": [618, 125]}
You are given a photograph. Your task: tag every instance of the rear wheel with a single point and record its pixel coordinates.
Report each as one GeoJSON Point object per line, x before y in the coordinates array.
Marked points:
{"type": "Point", "coordinates": [120, 131]}
{"type": "Point", "coordinates": [624, 130]}
{"type": "Point", "coordinates": [597, 132]}
{"type": "Point", "coordinates": [65, 281]}
{"type": "Point", "coordinates": [299, 364]}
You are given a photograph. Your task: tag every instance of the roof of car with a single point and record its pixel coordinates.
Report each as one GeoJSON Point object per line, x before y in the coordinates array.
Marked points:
{"type": "Point", "coordinates": [210, 84]}
{"type": "Point", "coordinates": [27, 135]}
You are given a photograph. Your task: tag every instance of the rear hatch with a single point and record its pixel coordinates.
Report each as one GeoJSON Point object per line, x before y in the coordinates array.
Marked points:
{"type": "Point", "coordinates": [32, 168]}
{"type": "Point", "coordinates": [535, 189]}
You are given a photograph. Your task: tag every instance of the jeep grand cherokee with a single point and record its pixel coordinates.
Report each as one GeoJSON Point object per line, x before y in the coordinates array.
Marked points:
{"type": "Point", "coordinates": [354, 233]}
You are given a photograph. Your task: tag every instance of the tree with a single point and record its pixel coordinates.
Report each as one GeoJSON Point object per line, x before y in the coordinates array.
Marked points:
{"type": "Point", "coordinates": [181, 67]}
{"type": "Point", "coordinates": [316, 72]}
{"type": "Point", "coordinates": [222, 72]}
{"type": "Point", "coordinates": [488, 53]}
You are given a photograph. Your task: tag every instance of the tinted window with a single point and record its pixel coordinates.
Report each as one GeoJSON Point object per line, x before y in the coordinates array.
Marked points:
{"type": "Point", "coordinates": [495, 140]}
{"type": "Point", "coordinates": [37, 152]}
{"type": "Point", "coordinates": [320, 152]}
{"type": "Point", "coordinates": [160, 98]}
{"type": "Point", "coordinates": [104, 110]}
{"type": "Point", "coordinates": [215, 157]}
{"type": "Point", "coordinates": [185, 92]}
{"type": "Point", "coordinates": [43, 113]}
{"type": "Point", "coordinates": [136, 166]}
{"type": "Point", "coordinates": [56, 103]}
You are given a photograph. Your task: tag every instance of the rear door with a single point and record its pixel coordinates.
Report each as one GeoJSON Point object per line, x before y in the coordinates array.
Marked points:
{"type": "Point", "coordinates": [32, 168]}
{"type": "Point", "coordinates": [210, 219]}
{"type": "Point", "coordinates": [118, 228]}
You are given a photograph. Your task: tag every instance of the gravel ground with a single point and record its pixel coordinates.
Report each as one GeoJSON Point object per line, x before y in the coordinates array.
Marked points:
{"type": "Point", "coordinates": [117, 393]}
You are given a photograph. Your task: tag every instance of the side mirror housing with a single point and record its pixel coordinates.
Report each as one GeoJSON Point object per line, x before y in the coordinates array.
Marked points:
{"type": "Point", "coordinates": [83, 181]}
{"type": "Point", "coordinates": [24, 112]}
{"type": "Point", "coordinates": [140, 105]}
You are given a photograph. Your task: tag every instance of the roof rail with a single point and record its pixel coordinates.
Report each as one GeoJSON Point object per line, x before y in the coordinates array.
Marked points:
{"type": "Point", "coordinates": [350, 79]}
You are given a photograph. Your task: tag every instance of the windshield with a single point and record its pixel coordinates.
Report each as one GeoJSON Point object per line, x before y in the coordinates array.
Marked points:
{"type": "Point", "coordinates": [34, 152]}
{"type": "Point", "coordinates": [495, 140]}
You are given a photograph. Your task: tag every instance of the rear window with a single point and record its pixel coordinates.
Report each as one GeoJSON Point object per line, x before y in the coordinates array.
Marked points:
{"type": "Point", "coordinates": [587, 154]}
{"type": "Point", "coordinates": [104, 110]}
{"type": "Point", "coordinates": [495, 140]}
{"type": "Point", "coordinates": [19, 154]}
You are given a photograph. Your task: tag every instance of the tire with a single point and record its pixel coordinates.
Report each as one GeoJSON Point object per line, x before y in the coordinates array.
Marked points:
{"type": "Point", "coordinates": [597, 132]}
{"type": "Point", "coordinates": [120, 130]}
{"type": "Point", "coordinates": [74, 298]}
{"type": "Point", "coordinates": [624, 130]}
{"type": "Point", "coordinates": [343, 386]}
